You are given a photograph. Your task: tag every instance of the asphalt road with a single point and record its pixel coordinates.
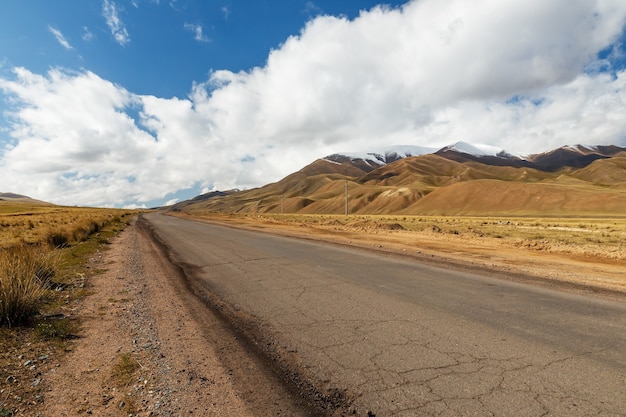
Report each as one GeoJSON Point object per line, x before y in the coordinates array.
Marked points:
{"type": "Point", "coordinates": [400, 338]}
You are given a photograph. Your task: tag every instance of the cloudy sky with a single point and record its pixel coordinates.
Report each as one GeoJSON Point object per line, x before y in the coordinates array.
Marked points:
{"type": "Point", "coordinates": [146, 102]}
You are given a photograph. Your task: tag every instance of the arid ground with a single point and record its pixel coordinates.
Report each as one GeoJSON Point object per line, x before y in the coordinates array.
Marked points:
{"type": "Point", "coordinates": [129, 357]}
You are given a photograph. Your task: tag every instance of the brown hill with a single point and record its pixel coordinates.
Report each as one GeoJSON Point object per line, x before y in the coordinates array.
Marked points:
{"type": "Point", "coordinates": [486, 197]}
{"type": "Point", "coordinates": [438, 171]}
{"type": "Point", "coordinates": [18, 198]}
{"type": "Point", "coordinates": [437, 184]}
{"type": "Point", "coordinates": [343, 166]}
{"type": "Point", "coordinates": [609, 172]}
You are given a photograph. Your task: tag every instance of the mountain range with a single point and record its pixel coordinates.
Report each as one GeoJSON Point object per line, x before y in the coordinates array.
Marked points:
{"type": "Point", "coordinates": [459, 179]}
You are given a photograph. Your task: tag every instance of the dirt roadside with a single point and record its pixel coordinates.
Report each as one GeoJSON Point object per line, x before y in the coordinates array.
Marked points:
{"type": "Point", "coordinates": [135, 311]}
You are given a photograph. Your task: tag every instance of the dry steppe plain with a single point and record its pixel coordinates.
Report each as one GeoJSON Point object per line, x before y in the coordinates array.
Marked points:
{"type": "Point", "coordinates": [580, 254]}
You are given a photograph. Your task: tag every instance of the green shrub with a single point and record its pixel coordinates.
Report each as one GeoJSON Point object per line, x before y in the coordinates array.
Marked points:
{"type": "Point", "coordinates": [60, 329]}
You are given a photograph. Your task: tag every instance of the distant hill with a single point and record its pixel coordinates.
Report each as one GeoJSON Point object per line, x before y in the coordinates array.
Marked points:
{"type": "Point", "coordinates": [458, 179]}
{"type": "Point", "coordinates": [11, 196]}
{"type": "Point", "coordinates": [16, 198]}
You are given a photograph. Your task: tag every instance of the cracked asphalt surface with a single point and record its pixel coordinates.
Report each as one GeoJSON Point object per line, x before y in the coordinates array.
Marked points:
{"type": "Point", "coordinates": [400, 338]}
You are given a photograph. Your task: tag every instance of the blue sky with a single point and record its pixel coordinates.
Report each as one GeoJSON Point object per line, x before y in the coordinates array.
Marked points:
{"type": "Point", "coordinates": [164, 45]}
{"type": "Point", "coordinates": [144, 102]}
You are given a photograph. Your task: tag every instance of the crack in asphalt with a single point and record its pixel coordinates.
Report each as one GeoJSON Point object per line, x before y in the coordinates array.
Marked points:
{"type": "Point", "coordinates": [373, 378]}
{"type": "Point", "coordinates": [396, 357]}
{"type": "Point", "coordinates": [481, 382]}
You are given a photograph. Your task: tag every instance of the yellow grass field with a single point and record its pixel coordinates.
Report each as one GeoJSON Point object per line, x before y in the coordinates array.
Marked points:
{"type": "Point", "coordinates": [43, 252]}
{"type": "Point", "coordinates": [42, 247]}
{"type": "Point", "coordinates": [33, 223]}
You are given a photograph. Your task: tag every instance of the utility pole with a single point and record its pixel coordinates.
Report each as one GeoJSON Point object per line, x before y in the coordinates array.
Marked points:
{"type": "Point", "coordinates": [282, 210]}
{"type": "Point", "coordinates": [346, 197]}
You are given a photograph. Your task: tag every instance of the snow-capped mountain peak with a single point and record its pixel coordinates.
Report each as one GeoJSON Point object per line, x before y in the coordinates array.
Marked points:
{"type": "Point", "coordinates": [478, 150]}
{"type": "Point", "coordinates": [402, 151]}
{"type": "Point", "coordinates": [383, 156]}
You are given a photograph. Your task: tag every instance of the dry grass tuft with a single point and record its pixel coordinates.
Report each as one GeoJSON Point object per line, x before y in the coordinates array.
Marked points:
{"type": "Point", "coordinates": [58, 239]}
{"type": "Point", "coordinates": [25, 275]}
{"type": "Point", "coordinates": [124, 369]}
{"type": "Point", "coordinates": [30, 235]}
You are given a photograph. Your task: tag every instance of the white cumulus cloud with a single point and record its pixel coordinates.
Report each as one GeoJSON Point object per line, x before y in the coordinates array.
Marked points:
{"type": "Point", "coordinates": [521, 75]}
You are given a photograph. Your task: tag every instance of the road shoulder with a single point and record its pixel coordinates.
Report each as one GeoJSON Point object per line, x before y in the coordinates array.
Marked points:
{"type": "Point", "coordinates": [132, 312]}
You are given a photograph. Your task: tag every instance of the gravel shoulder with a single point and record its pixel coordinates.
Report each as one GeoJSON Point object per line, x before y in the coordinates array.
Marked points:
{"type": "Point", "coordinates": [137, 311]}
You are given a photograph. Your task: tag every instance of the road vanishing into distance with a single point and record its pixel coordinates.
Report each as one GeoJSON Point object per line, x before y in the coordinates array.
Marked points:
{"type": "Point", "coordinates": [390, 336]}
